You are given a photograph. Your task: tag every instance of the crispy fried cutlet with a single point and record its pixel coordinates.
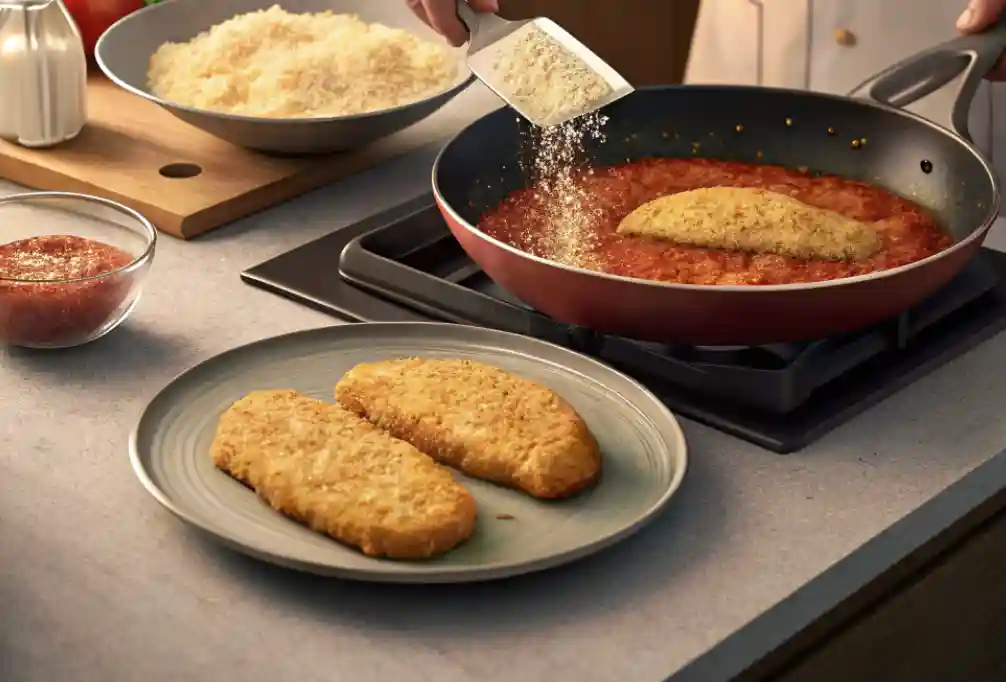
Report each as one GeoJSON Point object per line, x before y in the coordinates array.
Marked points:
{"type": "Point", "coordinates": [342, 476]}
{"type": "Point", "coordinates": [482, 420]}
{"type": "Point", "coordinates": [753, 220]}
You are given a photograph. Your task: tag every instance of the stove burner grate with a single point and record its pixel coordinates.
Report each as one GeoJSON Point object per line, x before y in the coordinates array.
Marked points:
{"type": "Point", "coordinates": [405, 265]}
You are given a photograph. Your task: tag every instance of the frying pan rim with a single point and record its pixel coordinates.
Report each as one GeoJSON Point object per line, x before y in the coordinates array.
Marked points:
{"type": "Point", "coordinates": [756, 90]}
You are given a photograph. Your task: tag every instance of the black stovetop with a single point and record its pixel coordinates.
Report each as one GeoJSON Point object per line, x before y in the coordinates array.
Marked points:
{"type": "Point", "coordinates": [404, 265]}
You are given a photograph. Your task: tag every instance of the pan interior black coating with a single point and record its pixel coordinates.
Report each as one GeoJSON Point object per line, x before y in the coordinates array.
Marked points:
{"type": "Point", "coordinates": [920, 161]}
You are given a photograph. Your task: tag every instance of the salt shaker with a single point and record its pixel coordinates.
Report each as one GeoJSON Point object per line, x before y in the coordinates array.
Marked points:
{"type": "Point", "coordinates": [43, 73]}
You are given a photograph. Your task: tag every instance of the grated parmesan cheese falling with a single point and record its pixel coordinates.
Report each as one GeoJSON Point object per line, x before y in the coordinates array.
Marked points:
{"type": "Point", "coordinates": [543, 80]}
{"type": "Point", "coordinates": [567, 212]}
{"type": "Point", "coordinates": [752, 220]}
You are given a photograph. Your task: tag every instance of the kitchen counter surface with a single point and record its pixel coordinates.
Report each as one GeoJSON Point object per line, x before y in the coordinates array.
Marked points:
{"type": "Point", "coordinates": [98, 583]}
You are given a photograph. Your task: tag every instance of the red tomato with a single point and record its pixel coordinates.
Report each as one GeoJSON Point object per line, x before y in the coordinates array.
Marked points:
{"type": "Point", "coordinates": [94, 16]}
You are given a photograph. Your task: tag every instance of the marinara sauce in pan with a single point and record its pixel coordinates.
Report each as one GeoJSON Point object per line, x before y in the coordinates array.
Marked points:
{"type": "Point", "coordinates": [523, 221]}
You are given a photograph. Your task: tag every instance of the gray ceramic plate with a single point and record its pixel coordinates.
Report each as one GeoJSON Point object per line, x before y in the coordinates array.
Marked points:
{"type": "Point", "coordinates": [641, 443]}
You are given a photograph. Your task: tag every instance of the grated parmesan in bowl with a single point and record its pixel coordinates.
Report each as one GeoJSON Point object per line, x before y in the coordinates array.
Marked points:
{"type": "Point", "coordinates": [276, 64]}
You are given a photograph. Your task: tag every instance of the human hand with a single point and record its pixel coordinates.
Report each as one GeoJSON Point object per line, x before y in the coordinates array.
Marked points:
{"type": "Point", "coordinates": [442, 16]}
{"type": "Point", "coordinates": [980, 15]}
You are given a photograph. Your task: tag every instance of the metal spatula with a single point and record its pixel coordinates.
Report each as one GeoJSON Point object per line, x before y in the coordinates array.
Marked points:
{"type": "Point", "coordinates": [538, 68]}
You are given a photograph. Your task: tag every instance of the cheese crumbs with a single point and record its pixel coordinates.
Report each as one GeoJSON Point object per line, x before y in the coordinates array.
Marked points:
{"type": "Point", "coordinates": [543, 79]}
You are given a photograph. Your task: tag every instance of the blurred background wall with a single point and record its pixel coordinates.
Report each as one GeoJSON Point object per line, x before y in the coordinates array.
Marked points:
{"type": "Point", "coordinates": [646, 41]}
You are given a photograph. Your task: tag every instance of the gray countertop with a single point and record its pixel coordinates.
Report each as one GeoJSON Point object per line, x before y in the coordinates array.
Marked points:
{"type": "Point", "coordinates": [97, 582]}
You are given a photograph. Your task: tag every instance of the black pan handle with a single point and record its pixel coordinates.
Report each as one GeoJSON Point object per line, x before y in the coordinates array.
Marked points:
{"type": "Point", "coordinates": [926, 72]}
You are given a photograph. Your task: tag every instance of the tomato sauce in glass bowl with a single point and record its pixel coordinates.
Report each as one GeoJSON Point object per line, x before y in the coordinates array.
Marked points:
{"type": "Point", "coordinates": [77, 283]}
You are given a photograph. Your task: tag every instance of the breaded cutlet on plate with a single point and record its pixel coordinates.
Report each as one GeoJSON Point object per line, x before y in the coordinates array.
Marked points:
{"type": "Point", "coordinates": [342, 476]}
{"type": "Point", "coordinates": [482, 420]}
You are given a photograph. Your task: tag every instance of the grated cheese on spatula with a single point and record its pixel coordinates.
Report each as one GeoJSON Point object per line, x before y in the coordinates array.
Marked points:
{"type": "Point", "coordinates": [543, 79]}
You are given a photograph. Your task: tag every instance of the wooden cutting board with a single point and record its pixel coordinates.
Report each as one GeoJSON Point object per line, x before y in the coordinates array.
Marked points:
{"type": "Point", "coordinates": [188, 182]}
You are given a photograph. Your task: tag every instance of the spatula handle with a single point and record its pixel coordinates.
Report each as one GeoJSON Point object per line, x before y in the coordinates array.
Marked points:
{"type": "Point", "coordinates": [468, 16]}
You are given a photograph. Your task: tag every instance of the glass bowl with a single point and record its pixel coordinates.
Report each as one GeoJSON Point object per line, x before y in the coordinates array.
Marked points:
{"type": "Point", "coordinates": [85, 289]}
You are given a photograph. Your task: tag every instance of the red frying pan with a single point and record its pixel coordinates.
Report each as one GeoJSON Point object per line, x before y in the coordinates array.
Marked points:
{"type": "Point", "coordinates": [937, 167]}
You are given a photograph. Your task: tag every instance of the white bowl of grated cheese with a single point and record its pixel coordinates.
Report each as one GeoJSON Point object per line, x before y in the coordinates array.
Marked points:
{"type": "Point", "coordinates": [285, 76]}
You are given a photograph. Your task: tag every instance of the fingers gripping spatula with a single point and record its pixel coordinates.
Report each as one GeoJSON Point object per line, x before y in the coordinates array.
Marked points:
{"type": "Point", "coordinates": [538, 68]}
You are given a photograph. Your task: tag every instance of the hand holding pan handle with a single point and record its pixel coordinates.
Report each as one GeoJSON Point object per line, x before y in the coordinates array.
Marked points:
{"type": "Point", "coordinates": [926, 72]}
